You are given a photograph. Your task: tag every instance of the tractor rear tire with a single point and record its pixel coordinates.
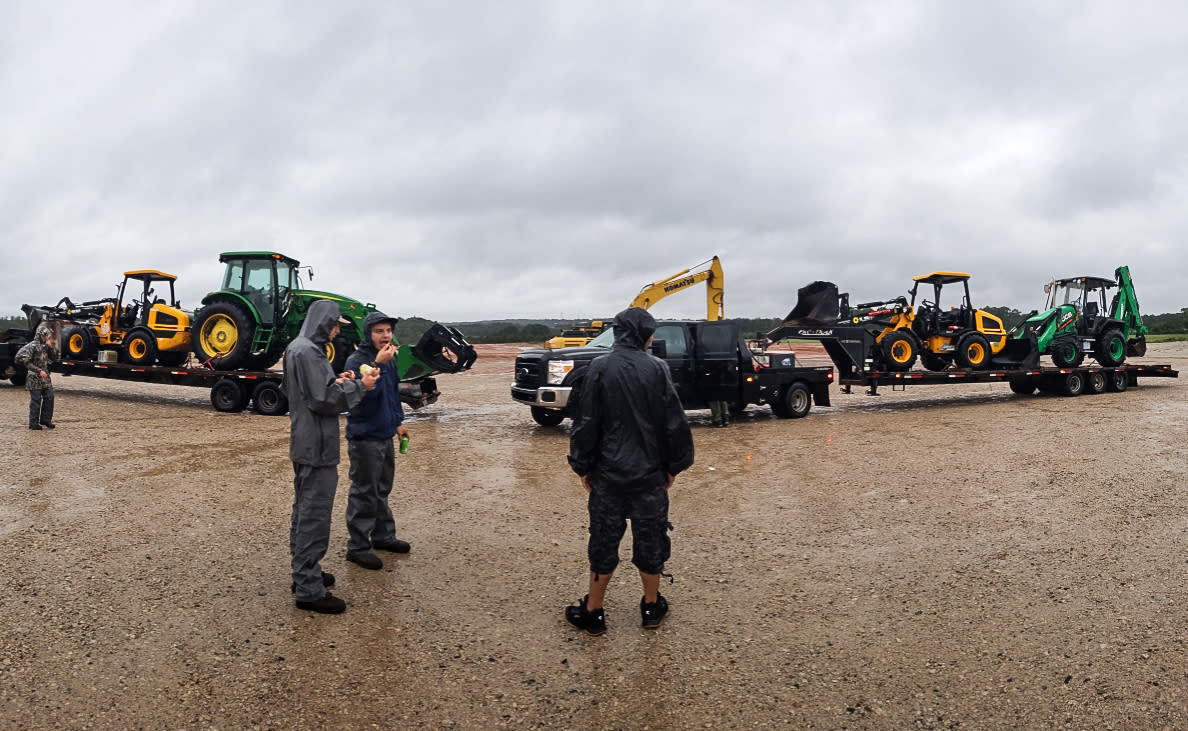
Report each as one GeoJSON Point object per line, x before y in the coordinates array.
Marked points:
{"type": "Point", "coordinates": [973, 351]}
{"type": "Point", "coordinates": [222, 334]}
{"type": "Point", "coordinates": [1023, 386]}
{"type": "Point", "coordinates": [139, 348]}
{"type": "Point", "coordinates": [934, 362]}
{"type": "Point", "coordinates": [1073, 384]}
{"type": "Point", "coordinates": [228, 395]}
{"type": "Point", "coordinates": [269, 399]}
{"type": "Point", "coordinates": [547, 417]}
{"type": "Point", "coordinates": [1118, 381]}
{"type": "Point", "coordinates": [899, 350]}
{"type": "Point", "coordinates": [1111, 348]}
{"type": "Point", "coordinates": [80, 343]}
{"type": "Point", "coordinates": [1067, 353]}
{"type": "Point", "coordinates": [1095, 382]}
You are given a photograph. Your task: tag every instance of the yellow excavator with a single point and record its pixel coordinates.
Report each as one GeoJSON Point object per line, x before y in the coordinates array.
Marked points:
{"type": "Point", "coordinates": [577, 335]}
{"type": "Point", "coordinates": [715, 293]}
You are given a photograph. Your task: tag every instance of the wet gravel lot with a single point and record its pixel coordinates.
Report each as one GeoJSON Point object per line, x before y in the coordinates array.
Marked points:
{"type": "Point", "coordinates": [937, 558]}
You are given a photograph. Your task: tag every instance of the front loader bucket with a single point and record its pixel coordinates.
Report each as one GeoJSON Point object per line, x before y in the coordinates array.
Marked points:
{"type": "Point", "coordinates": [445, 350]}
{"type": "Point", "coordinates": [816, 304]}
{"type": "Point", "coordinates": [1019, 353]}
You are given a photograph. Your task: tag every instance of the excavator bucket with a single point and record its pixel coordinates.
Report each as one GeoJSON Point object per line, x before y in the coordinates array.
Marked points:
{"type": "Point", "coordinates": [1021, 352]}
{"type": "Point", "coordinates": [816, 304]}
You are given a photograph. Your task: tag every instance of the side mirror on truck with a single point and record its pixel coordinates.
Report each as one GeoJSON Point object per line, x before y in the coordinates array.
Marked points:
{"type": "Point", "coordinates": [659, 349]}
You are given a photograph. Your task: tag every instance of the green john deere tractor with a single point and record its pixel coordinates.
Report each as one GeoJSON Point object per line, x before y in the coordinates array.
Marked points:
{"type": "Point", "coordinates": [259, 310]}
{"type": "Point", "coordinates": [1077, 322]}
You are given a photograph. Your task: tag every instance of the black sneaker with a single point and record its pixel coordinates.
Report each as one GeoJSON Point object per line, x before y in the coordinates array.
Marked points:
{"type": "Point", "coordinates": [593, 621]}
{"type": "Point", "coordinates": [327, 581]}
{"type": "Point", "coordinates": [328, 604]}
{"type": "Point", "coordinates": [653, 614]}
{"type": "Point", "coordinates": [396, 546]}
{"type": "Point", "coordinates": [367, 560]}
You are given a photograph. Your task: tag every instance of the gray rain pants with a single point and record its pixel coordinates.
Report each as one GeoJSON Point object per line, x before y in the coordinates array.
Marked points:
{"type": "Point", "coordinates": [41, 406]}
{"type": "Point", "coordinates": [309, 535]}
{"type": "Point", "coordinates": [369, 519]}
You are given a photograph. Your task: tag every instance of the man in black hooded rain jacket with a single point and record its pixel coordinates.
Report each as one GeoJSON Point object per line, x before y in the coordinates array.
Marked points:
{"type": "Point", "coordinates": [316, 398]}
{"type": "Point", "coordinates": [628, 443]}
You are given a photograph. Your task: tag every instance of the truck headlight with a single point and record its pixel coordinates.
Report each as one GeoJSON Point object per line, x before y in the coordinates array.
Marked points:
{"type": "Point", "coordinates": [558, 369]}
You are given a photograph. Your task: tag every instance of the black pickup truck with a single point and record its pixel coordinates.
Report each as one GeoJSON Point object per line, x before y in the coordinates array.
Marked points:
{"type": "Point", "coordinates": [709, 361]}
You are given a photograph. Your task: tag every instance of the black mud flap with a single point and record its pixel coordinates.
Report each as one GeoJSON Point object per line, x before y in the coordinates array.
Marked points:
{"type": "Point", "coordinates": [445, 350]}
{"type": "Point", "coordinates": [1019, 353]}
{"type": "Point", "coordinates": [816, 304]}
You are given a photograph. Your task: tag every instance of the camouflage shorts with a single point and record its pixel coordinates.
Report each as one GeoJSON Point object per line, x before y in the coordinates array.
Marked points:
{"type": "Point", "coordinates": [647, 509]}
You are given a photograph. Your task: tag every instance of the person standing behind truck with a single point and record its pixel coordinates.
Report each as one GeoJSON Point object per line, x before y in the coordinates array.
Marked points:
{"type": "Point", "coordinates": [628, 443]}
{"type": "Point", "coordinates": [316, 398]}
{"type": "Point", "coordinates": [371, 426]}
{"type": "Point", "coordinates": [35, 356]}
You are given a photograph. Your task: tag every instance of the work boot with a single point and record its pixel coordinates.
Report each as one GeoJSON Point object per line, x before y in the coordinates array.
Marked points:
{"type": "Point", "coordinates": [367, 560]}
{"type": "Point", "coordinates": [328, 604]}
{"type": "Point", "coordinates": [327, 581]}
{"type": "Point", "coordinates": [593, 621]}
{"type": "Point", "coordinates": [396, 546]}
{"type": "Point", "coordinates": [49, 425]}
{"type": "Point", "coordinates": [653, 614]}
{"type": "Point", "coordinates": [35, 427]}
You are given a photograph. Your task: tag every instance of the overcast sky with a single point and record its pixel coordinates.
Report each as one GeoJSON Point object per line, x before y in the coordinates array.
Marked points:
{"type": "Point", "coordinates": [474, 160]}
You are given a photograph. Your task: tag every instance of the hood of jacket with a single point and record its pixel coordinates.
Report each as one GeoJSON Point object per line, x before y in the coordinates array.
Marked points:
{"type": "Point", "coordinates": [320, 320]}
{"type": "Point", "coordinates": [633, 326]}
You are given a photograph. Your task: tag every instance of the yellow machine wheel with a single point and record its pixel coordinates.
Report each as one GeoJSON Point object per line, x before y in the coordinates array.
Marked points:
{"type": "Point", "coordinates": [219, 334]}
{"type": "Point", "coordinates": [900, 350]}
{"type": "Point", "coordinates": [973, 351]}
{"type": "Point", "coordinates": [140, 347]}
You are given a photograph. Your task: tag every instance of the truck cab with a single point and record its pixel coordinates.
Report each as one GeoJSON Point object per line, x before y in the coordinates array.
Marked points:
{"type": "Point", "coordinates": [709, 361]}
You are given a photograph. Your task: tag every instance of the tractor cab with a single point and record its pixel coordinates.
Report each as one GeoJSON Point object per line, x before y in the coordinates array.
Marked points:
{"type": "Point", "coordinates": [931, 315]}
{"type": "Point", "coordinates": [138, 295]}
{"type": "Point", "coordinates": [264, 279]}
{"type": "Point", "coordinates": [1087, 295]}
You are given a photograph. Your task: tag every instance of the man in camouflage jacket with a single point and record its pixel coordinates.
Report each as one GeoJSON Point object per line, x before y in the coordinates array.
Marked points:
{"type": "Point", "coordinates": [36, 356]}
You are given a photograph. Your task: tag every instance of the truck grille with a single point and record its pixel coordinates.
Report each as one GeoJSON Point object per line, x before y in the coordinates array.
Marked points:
{"type": "Point", "coordinates": [529, 372]}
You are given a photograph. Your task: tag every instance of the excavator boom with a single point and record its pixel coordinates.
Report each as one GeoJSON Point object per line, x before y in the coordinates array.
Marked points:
{"type": "Point", "coordinates": [715, 293]}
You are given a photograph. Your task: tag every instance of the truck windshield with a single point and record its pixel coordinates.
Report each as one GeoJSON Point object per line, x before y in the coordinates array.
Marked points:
{"type": "Point", "coordinates": [605, 339]}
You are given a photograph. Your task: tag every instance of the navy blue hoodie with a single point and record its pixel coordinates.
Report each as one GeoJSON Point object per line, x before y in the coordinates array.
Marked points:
{"type": "Point", "coordinates": [380, 411]}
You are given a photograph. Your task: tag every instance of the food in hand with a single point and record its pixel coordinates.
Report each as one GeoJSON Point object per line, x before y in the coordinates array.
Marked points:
{"type": "Point", "coordinates": [366, 369]}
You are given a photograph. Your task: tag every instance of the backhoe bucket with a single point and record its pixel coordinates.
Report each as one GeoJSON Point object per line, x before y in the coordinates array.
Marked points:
{"type": "Point", "coordinates": [816, 304]}
{"type": "Point", "coordinates": [1022, 352]}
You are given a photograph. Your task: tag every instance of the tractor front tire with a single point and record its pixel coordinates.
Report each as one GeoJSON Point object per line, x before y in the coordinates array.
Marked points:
{"type": "Point", "coordinates": [269, 399]}
{"type": "Point", "coordinates": [973, 351]}
{"type": "Point", "coordinates": [80, 342]}
{"type": "Point", "coordinates": [900, 350]}
{"type": "Point", "coordinates": [140, 348]}
{"type": "Point", "coordinates": [1067, 353]}
{"type": "Point", "coordinates": [222, 334]}
{"type": "Point", "coordinates": [547, 417]}
{"type": "Point", "coordinates": [228, 395]}
{"type": "Point", "coordinates": [1111, 348]}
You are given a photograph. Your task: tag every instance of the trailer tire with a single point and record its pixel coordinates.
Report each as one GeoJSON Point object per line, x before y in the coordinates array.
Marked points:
{"type": "Point", "coordinates": [1067, 353]}
{"type": "Point", "coordinates": [797, 400]}
{"type": "Point", "coordinates": [1073, 384]}
{"type": "Point", "coordinates": [222, 334]}
{"type": "Point", "coordinates": [899, 350]}
{"type": "Point", "coordinates": [1023, 387]}
{"type": "Point", "coordinates": [973, 351]}
{"type": "Point", "coordinates": [934, 362]}
{"type": "Point", "coordinates": [80, 342]}
{"type": "Point", "coordinates": [1118, 381]}
{"type": "Point", "coordinates": [139, 348]}
{"type": "Point", "coordinates": [547, 417]}
{"type": "Point", "coordinates": [269, 400]}
{"type": "Point", "coordinates": [1111, 348]}
{"type": "Point", "coordinates": [228, 395]}
{"type": "Point", "coordinates": [1095, 382]}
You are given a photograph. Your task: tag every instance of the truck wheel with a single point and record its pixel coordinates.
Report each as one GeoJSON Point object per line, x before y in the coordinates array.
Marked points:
{"type": "Point", "coordinates": [19, 377]}
{"type": "Point", "coordinates": [1111, 348]}
{"type": "Point", "coordinates": [934, 362]}
{"type": "Point", "coordinates": [1067, 353]}
{"type": "Point", "coordinates": [140, 348]}
{"type": "Point", "coordinates": [337, 352]}
{"type": "Point", "coordinates": [228, 395]}
{"type": "Point", "coordinates": [80, 343]}
{"type": "Point", "coordinates": [1118, 381]}
{"type": "Point", "coordinates": [899, 350]}
{"type": "Point", "coordinates": [1095, 382]}
{"type": "Point", "coordinates": [269, 400]}
{"type": "Point", "coordinates": [1073, 384]}
{"type": "Point", "coordinates": [1023, 387]}
{"type": "Point", "coordinates": [973, 351]}
{"type": "Point", "coordinates": [547, 417]}
{"type": "Point", "coordinates": [797, 401]}
{"type": "Point", "coordinates": [222, 334]}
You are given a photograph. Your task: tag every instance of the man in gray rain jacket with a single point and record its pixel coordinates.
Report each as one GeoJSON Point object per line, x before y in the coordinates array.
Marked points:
{"type": "Point", "coordinates": [316, 397]}
{"type": "Point", "coordinates": [628, 443]}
